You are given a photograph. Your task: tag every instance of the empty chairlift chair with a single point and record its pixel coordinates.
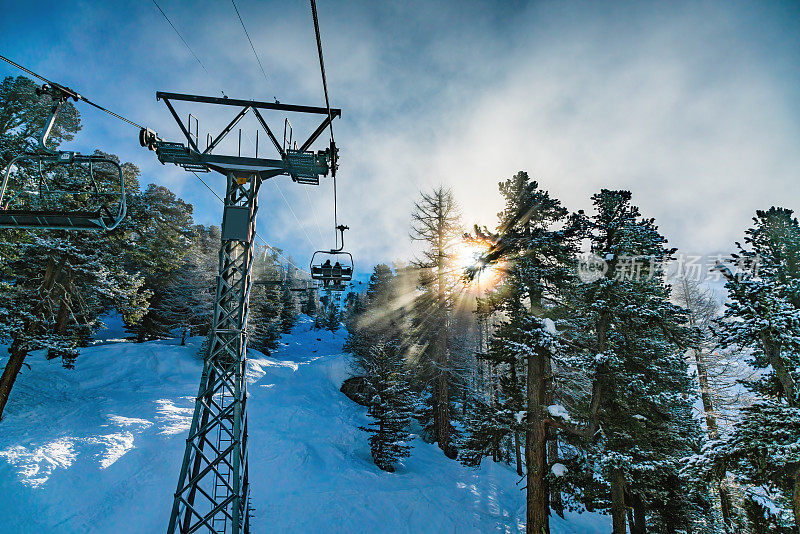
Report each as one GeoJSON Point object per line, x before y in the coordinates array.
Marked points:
{"type": "Point", "coordinates": [61, 190]}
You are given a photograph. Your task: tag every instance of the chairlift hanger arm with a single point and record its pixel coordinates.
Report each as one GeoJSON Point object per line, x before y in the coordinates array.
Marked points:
{"type": "Point", "coordinates": [341, 229]}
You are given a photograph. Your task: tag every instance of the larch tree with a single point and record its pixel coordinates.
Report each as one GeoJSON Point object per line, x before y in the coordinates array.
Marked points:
{"type": "Point", "coordinates": [703, 310]}
{"type": "Point", "coordinates": [436, 223]}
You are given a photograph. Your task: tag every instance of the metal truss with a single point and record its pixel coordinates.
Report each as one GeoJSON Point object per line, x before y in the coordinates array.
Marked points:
{"type": "Point", "coordinates": [303, 165]}
{"type": "Point", "coordinates": [213, 487]}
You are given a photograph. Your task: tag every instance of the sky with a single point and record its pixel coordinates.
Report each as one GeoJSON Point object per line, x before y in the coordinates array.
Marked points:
{"type": "Point", "coordinates": [693, 106]}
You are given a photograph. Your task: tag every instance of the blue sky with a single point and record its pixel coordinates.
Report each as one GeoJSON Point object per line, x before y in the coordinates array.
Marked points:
{"type": "Point", "coordinates": [693, 106]}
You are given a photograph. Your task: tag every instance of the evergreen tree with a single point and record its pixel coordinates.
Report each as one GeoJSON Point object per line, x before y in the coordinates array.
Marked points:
{"type": "Point", "coordinates": [641, 391]}
{"type": "Point", "coordinates": [288, 309]}
{"type": "Point", "coordinates": [310, 303]}
{"type": "Point", "coordinates": [331, 319]}
{"type": "Point", "coordinates": [264, 321]}
{"type": "Point", "coordinates": [390, 404]}
{"type": "Point", "coordinates": [160, 228]}
{"type": "Point", "coordinates": [537, 240]}
{"type": "Point", "coordinates": [763, 315]}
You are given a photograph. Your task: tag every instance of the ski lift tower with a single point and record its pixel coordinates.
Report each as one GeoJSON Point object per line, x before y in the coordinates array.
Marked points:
{"type": "Point", "coordinates": [213, 485]}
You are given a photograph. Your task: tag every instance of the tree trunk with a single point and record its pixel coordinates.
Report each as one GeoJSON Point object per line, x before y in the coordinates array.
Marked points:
{"type": "Point", "coordinates": [518, 450]}
{"type": "Point", "coordinates": [18, 350]}
{"type": "Point", "coordinates": [441, 414]}
{"type": "Point", "coordinates": [554, 496]}
{"type": "Point", "coordinates": [639, 522]}
{"type": "Point", "coordinates": [705, 394]}
{"type": "Point", "coordinates": [618, 500]}
{"type": "Point", "coordinates": [773, 352]}
{"type": "Point", "coordinates": [536, 450]}
{"type": "Point", "coordinates": [16, 358]}
{"type": "Point", "coordinates": [796, 499]}
{"type": "Point", "coordinates": [725, 502]}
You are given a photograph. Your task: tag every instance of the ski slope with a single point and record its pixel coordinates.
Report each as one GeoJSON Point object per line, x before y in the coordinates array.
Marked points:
{"type": "Point", "coordinates": [97, 449]}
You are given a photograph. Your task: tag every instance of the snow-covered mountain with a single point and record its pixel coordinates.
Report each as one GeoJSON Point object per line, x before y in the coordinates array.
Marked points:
{"type": "Point", "coordinates": [97, 449]}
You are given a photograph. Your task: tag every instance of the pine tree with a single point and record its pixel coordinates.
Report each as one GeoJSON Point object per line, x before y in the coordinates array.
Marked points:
{"type": "Point", "coordinates": [763, 315]}
{"type": "Point", "coordinates": [160, 229]}
{"type": "Point", "coordinates": [536, 242]}
{"type": "Point", "coordinates": [288, 309]}
{"type": "Point", "coordinates": [389, 404]}
{"type": "Point", "coordinates": [310, 303]}
{"type": "Point", "coordinates": [332, 318]}
{"type": "Point", "coordinates": [641, 391]}
{"type": "Point", "coordinates": [264, 322]}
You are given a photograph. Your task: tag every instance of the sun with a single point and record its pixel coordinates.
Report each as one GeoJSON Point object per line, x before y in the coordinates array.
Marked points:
{"type": "Point", "coordinates": [469, 254]}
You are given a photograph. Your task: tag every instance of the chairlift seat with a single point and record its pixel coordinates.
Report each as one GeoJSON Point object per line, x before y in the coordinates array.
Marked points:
{"type": "Point", "coordinates": [106, 211]}
{"type": "Point", "coordinates": [32, 219]}
{"type": "Point", "coordinates": [332, 278]}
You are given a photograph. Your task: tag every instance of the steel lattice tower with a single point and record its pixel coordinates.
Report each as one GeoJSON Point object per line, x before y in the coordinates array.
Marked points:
{"type": "Point", "coordinates": [213, 486]}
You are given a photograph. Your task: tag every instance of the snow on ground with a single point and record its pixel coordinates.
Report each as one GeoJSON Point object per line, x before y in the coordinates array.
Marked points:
{"type": "Point", "coordinates": [98, 448]}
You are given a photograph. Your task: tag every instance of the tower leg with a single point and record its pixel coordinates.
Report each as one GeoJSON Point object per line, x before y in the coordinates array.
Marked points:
{"type": "Point", "coordinates": [213, 487]}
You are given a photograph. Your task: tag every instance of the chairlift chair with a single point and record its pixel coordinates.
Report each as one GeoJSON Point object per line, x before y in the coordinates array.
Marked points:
{"type": "Point", "coordinates": [333, 267]}
{"type": "Point", "coordinates": [41, 194]}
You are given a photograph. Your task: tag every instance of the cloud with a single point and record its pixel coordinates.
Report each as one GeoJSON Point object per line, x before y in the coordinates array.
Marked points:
{"type": "Point", "coordinates": [692, 105]}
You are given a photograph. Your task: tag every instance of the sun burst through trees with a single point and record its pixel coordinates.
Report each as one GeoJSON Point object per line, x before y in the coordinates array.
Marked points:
{"type": "Point", "coordinates": [468, 256]}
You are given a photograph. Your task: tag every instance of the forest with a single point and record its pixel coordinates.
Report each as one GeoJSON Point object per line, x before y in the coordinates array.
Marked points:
{"type": "Point", "coordinates": [561, 344]}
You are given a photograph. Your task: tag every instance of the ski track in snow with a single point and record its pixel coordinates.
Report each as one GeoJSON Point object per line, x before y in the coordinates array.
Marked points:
{"type": "Point", "coordinates": [97, 449]}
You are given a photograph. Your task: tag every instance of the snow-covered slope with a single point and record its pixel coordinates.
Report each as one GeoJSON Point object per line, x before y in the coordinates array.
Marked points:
{"type": "Point", "coordinates": [97, 449]}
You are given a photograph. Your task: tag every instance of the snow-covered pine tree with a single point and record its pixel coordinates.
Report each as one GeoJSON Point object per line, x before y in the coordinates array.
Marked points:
{"type": "Point", "coordinates": [288, 309]}
{"type": "Point", "coordinates": [763, 315]}
{"type": "Point", "coordinates": [191, 297]}
{"type": "Point", "coordinates": [160, 232]}
{"type": "Point", "coordinates": [641, 393]}
{"type": "Point", "coordinates": [264, 321]}
{"type": "Point", "coordinates": [537, 240]}
{"type": "Point", "coordinates": [310, 303]}
{"type": "Point", "coordinates": [390, 404]}
{"type": "Point", "coordinates": [328, 315]}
